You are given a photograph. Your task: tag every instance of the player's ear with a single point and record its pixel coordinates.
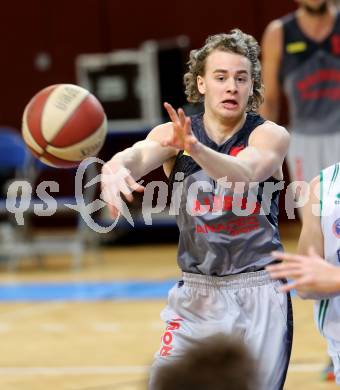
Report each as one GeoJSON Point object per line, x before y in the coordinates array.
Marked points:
{"type": "Point", "coordinates": [200, 85]}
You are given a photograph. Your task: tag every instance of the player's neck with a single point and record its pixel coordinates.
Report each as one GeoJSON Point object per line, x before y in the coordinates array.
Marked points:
{"type": "Point", "coordinates": [221, 130]}
{"type": "Point", "coordinates": [317, 26]}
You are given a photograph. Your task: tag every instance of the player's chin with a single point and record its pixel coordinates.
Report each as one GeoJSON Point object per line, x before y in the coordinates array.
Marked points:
{"type": "Point", "coordinates": [231, 113]}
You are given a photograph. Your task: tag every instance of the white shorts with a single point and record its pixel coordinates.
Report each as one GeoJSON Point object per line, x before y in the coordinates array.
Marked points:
{"type": "Point", "coordinates": [246, 305]}
{"type": "Point", "coordinates": [309, 154]}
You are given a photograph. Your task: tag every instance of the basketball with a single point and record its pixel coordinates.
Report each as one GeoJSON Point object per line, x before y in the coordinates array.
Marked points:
{"type": "Point", "coordinates": [63, 124]}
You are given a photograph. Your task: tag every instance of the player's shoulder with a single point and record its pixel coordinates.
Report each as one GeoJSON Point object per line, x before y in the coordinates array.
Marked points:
{"type": "Point", "coordinates": [160, 132]}
{"type": "Point", "coordinates": [315, 181]}
{"type": "Point", "coordinates": [273, 30]}
{"type": "Point", "coordinates": [272, 39]}
{"type": "Point", "coordinates": [268, 127]}
{"type": "Point", "coordinates": [270, 135]}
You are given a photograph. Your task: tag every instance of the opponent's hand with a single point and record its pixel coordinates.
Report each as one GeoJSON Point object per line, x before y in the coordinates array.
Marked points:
{"type": "Point", "coordinates": [311, 274]}
{"type": "Point", "coordinates": [116, 180]}
{"type": "Point", "coordinates": [182, 137]}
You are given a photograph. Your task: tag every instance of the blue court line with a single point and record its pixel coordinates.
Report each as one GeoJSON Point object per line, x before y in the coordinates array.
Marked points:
{"type": "Point", "coordinates": [84, 291]}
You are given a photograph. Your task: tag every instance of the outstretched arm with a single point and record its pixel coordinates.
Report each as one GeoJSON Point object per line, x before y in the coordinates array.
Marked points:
{"type": "Point", "coordinates": [262, 158]}
{"type": "Point", "coordinates": [121, 173]}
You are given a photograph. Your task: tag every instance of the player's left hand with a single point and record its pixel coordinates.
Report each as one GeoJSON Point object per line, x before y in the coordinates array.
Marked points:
{"type": "Point", "coordinates": [116, 179]}
{"type": "Point", "coordinates": [182, 137]}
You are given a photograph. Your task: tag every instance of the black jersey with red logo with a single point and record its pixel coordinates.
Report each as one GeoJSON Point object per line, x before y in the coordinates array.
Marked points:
{"type": "Point", "coordinates": [310, 73]}
{"type": "Point", "coordinates": [223, 231]}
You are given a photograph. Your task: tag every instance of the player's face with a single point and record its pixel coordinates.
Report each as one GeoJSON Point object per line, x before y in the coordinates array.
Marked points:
{"type": "Point", "coordinates": [314, 6]}
{"type": "Point", "coordinates": [226, 84]}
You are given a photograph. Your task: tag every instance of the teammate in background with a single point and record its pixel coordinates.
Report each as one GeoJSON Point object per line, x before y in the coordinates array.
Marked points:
{"type": "Point", "coordinates": [301, 56]}
{"type": "Point", "coordinates": [217, 363]}
{"type": "Point", "coordinates": [222, 253]}
{"type": "Point", "coordinates": [314, 277]}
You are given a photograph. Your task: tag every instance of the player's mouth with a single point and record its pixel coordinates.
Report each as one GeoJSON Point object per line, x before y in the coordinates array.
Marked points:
{"type": "Point", "coordinates": [230, 104]}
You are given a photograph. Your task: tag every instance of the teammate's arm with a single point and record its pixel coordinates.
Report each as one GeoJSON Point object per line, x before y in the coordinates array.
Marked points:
{"type": "Point", "coordinates": [120, 174]}
{"type": "Point", "coordinates": [272, 48]}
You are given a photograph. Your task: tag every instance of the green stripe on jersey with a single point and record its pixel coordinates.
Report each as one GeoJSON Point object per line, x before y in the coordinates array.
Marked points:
{"type": "Point", "coordinates": [322, 302]}
{"type": "Point", "coordinates": [334, 177]}
{"type": "Point", "coordinates": [324, 314]}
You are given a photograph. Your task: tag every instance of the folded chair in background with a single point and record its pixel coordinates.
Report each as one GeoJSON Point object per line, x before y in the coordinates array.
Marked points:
{"type": "Point", "coordinates": [20, 234]}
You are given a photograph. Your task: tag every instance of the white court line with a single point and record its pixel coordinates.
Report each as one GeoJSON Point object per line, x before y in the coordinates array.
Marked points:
{"type": "Point", "coordinates": [107, 327]}
{"type": "Point", "coordinates": [52, 327]}
{"type": "Point", "coordinates": [26, 371]}
{"type": "Point", "coordinates": [306, 367]}
{"type": "Point", "coordinates": [157, 325]}
{"type": "Point", "coordinates": [4, 327]}
{"type": "Point", "coordinates": [31, 310]}
{"type": "Point", "coordinates": [109, 370]}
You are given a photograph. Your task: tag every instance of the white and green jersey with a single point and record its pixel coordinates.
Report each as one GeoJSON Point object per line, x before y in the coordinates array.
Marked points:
{"type": "Point", "coordinates": [327, 311]}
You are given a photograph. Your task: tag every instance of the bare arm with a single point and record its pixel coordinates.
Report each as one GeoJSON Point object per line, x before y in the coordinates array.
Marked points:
{"type": "Point", "coordinates": [311, 233]}
{"type": "Point", "coordinates": [272, 47]}
{"type": "Point", "coordinates": [313, 277]}
{"type": "Point", "coordinates": [262, 158]}
{"type": "Point", "coordinates": [147, 155]}
{"type": "Point", "coordinates": [120, 174]}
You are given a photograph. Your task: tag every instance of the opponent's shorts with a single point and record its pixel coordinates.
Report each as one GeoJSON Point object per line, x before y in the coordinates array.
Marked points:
{"type": "Point", "coordinates": [327, 318]}
{"type": "Point", "coordinates": [248, 305]}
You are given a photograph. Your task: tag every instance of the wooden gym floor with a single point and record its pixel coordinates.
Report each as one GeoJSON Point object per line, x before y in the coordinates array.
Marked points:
{"type": "Point", "coordinates": [102, 345]}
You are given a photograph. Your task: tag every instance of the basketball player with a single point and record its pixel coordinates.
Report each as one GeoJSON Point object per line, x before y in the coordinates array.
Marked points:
{"type": "Point", "coordinates": [222, 253]}
{"type": "Point", "coordinates": [313, 276]}
{"type": "Point", "coordinates": [218, 362]}
{"type": "Point", "coordinates": [301, 55]}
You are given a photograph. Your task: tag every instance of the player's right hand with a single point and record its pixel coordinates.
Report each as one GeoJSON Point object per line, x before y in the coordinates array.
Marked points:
{"type": "Point", "coordinates": [116, 179]}
{"type": "Point", "coordinates": [182, 137]}
{"type": "Point", "coordinates": [310, 274]}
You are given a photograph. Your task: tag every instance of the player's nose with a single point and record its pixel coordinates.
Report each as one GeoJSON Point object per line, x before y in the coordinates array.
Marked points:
{"type": "Point", "coordinates": [231, 86]}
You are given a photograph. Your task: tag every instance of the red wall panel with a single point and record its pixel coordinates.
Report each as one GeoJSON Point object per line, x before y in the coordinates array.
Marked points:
{"type": "Point", "coordinates": [155, 19]}
{"type": "Point", "coordinates": [61, 29]}
{"type": "Point", "coordinates": [67, 28]}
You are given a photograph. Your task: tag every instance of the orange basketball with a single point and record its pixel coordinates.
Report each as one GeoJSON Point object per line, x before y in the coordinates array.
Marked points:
{"type": "Point", "coordinates": [64, 124]}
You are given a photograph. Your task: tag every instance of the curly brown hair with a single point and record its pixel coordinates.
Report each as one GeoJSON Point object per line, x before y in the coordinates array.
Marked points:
{"type": "Point", "coordinates": [237, 42]}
